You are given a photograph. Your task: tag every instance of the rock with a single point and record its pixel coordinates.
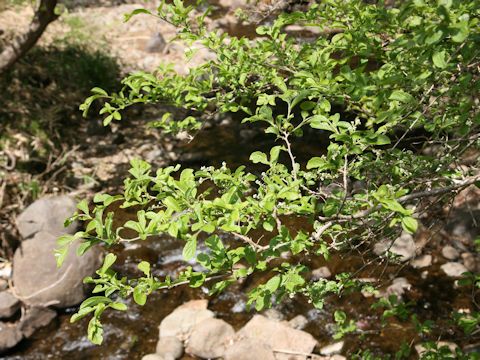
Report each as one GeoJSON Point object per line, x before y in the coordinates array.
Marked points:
{"type": "Point", "coordinates": [155, 357]}
{"type": "Point", "coordinates": [209, 339]}
{"type": "Point", "coordinates": [321, 272]}
{"type": "Point", "coordinates": [398, 287]}
{"type": "Point", "coordinates": [192, 157]}
{"type": "Point", "coordinates": [422, 349]}
{"type": "Point", "coordinates": [255, 349]}
{"type": "Point", "coordinates": [464, 223]}
{"type": "Point", "coordinates": [47, 214]}
{"type": "Point", "coordinates": [9, 305]}
{"type": "Point", "coordinates": [332, 349]}
{"type": "Point", "coordinates": [3, 284]}
{"type": "Point", "coordinates": [232, 4]}
{"type": "Point", "coordinates": [156, 43]}
{"type": "Point", "coordinates": [298, 322]}
{"type": "Point", "coordinates": [200, 304]}
{"type": "Point", "coordinates": [469, 261]}
{"type": "Point", "coordinates": [279, 337]}
{"type": "Point", "coordinates": [453, 269]}
{"type": "Point", "coordinates": [450, 253]}
{"type": "Point", "coordinates": [35, 318]}
{"type": "Point", "coordinates": [422, 261]}
{"type": "Point", "coordinates": [9, 336]}
{"type": "Point", "coordinates": [170, 346]}
{"type": "Point", "coordinates": [403, 246]}
{"type": "Point", "coordinates": [273, 314]}
{"type": "Point", "coordinates": [38, 280]}
{"type": "Point", "coordinates": [181, 322]}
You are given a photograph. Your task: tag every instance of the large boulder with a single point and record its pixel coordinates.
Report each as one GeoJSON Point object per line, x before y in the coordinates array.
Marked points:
{"type": "Point", "coordinates": [38, 280]}
{"type": "Point", "coordinates": [250, 348]}
{"type": "Point", "coordinates": [47, 214]}
{"type": "Point", "coordinates": [181, 322]}
{"type": "Point", "coordinates": [210, 338]}
{"type": "Point", "coordinates": [170, 346]}
{"type": "Point", "coordinates": [279, 337]}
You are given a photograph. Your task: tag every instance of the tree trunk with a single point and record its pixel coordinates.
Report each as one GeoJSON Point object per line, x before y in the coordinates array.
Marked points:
{"type": "Point", "coordinates": [44, 15]}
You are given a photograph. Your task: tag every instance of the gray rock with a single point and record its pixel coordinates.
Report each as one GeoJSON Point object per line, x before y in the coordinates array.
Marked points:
{"type": "Point", "coordinates": [9, 305]}
{"type": "Point", "coordinates": [321, 272]}
{"type": "Point", "coordinates": [38, 280]}
{"type": "Point", "coordinates": [156, 43]}
{"type": "Point", "coordinates": [464, 223]}
{"type": "Point", "coordinates": [35, 318]}
{"type": "Point", "coordinates": [279, 336]}
{"type": "Point", "coordinates": [209, 339]}
{"type": "Point", "coordinates": [398, 287]}
{"type": "Point", "coordinates": [255, 349]}
{"type": "Point", "coordinates": [47, 214]}
{"type": "Point", "coordinates": [170, 346]}
{"type": "Point", "coordinates": [403, 246]}
{"type": "Point", "coordinates": [192, 157]}
{"type": "Point", "coordinates": [453, 269]}
{"type": "Point", "coordinates": [422, 261]}
{"type": "Point", "coordinates": [332, 349]}
{"type": "Point", "coordinates": [450, 253]}
{"type": "Point", "coordinates": [273, 314]}
{"type": "Point", "coordinates": [9, 336]}
{"type": "Point", "coordinates": [181, 322]}
{"type": "Point", "coordinates": [298, 322]}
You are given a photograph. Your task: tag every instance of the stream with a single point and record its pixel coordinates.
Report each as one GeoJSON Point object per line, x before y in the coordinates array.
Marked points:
{"type": "Point", "coordinates": [134, 333]}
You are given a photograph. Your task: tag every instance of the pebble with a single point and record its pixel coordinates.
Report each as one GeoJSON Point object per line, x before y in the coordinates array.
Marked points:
{"type": "Point", "coordinates": [453, 269]}
{"type": "Point", "coordinates": [450, 253]}
{"type": "Point", "coordinates": [422, 261]}
{"type": "Point", "coordinates": [332, 349]}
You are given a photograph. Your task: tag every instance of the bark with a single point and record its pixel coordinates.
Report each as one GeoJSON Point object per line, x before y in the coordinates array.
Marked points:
{"type": "Point", "coordinates": [43, 16]}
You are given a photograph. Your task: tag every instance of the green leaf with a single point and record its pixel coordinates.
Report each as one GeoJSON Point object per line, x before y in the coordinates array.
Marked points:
{"type": "Point", "coordinates": [60, 255]}
{"type": "Point", "coordinates": [83, 206]}
{"type": "Point", "coordinates": [401, 96]}
{"type": "Point", "coordinates": [274, 283]}
{"type": "Point", "coordinates": [94, 301]}
{"type": "Point", "coordinates": [190, 248]}
{"type": "Point", "coordinates": [259, 157]}
{"type": "Point", "coordinates": [109, 260]}
{"type": "Point", "coordinates": [135, 12]}
{"type": "Point", "coordinates": [144, 266]}
{"type": "Point", "coordinates": [99, 91]}
{"type": "Point", "coordinates": [118, 306]}
{"type": "Point", "coordinates": [439, 59]}
{"type": "Point", "coordinates": [171, 203]}
{"type": "Point", "coordinates": [64, 240]}
{"type": "Point", "coordinates": [317, 162]}
{"type": "Point", "coordinates": [139, 296]}
{"type": "Point", "coordinates": [409, 224]}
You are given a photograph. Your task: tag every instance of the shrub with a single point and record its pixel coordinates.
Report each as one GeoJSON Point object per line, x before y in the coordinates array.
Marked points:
{"type": "Point", "coordinates": [407, 78]}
